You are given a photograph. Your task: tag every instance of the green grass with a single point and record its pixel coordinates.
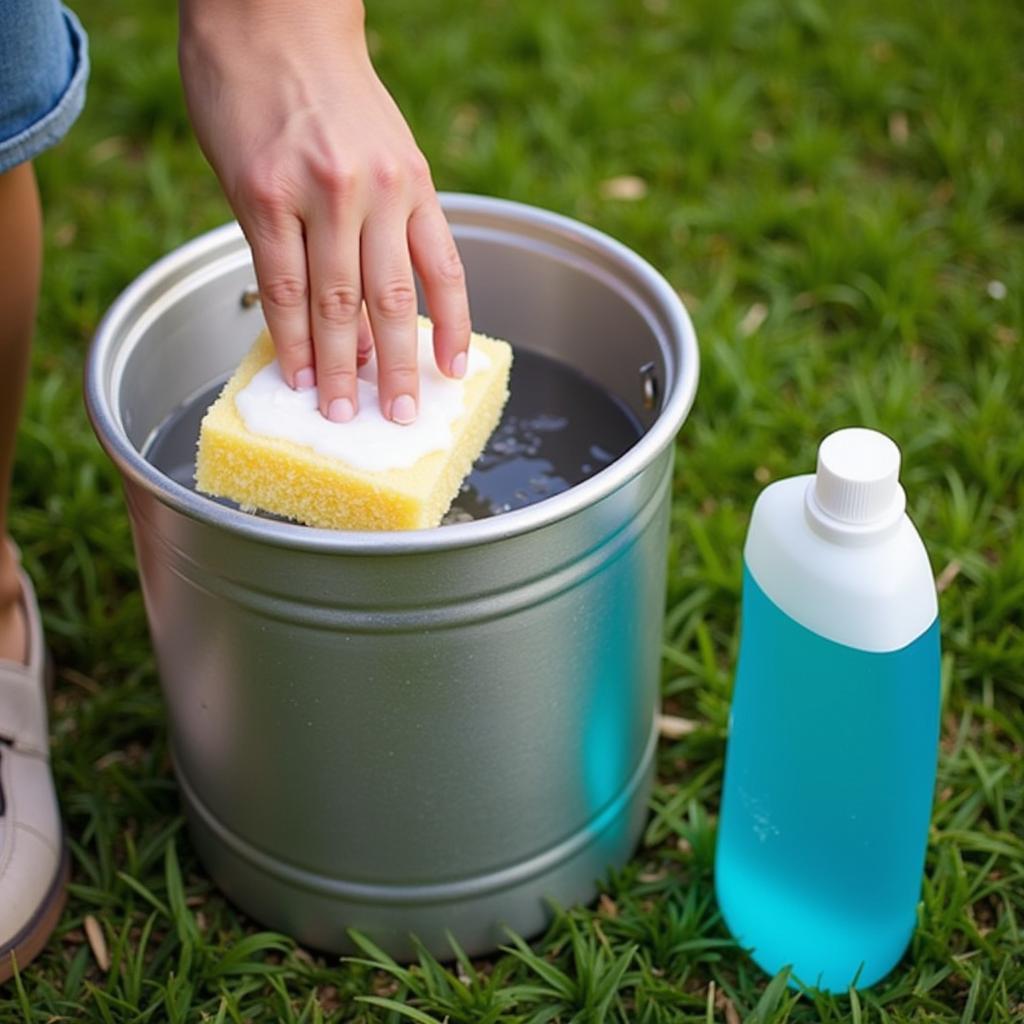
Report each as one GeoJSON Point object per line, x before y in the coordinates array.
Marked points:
{"type": "Point", "coordinates": [834, 188]}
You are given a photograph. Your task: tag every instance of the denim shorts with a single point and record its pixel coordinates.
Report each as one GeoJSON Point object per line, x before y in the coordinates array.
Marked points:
{"type": "Point", "coordinates": [44, 64]}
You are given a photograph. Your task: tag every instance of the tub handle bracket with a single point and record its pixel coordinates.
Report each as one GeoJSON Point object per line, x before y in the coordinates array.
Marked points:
{"type": "Point", "coordinates": [649, 383]}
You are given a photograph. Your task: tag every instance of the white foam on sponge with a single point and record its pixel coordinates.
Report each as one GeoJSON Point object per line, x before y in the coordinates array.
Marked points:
{"type": "Point", "coordinates": [268, 406]}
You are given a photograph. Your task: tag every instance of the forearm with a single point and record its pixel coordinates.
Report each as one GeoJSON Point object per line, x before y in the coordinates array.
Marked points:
{"type": "Point", "coordinates": [238, 37]}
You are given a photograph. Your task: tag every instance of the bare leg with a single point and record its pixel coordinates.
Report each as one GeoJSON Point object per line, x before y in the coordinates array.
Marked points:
{"type": "Point", "coordinates": [20, 266]}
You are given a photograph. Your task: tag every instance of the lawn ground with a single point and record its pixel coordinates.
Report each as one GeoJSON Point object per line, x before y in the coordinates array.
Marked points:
{"type": "Point", "coordinates": [838, 192]}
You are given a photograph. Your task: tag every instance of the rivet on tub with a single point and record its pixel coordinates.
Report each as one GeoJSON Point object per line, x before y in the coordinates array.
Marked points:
{"type": "Point", "coordinates": [649, 382]}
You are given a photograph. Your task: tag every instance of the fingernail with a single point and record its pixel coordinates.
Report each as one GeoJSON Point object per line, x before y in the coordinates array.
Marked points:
{"type": "Point", "coordinates": [403, 409]}
{"type": "Point", "coordinates": [341, 410]}
{"type": "Point", "coordinates": [458, 367]}
{"type": "Point", "coordinates": [305, 378]}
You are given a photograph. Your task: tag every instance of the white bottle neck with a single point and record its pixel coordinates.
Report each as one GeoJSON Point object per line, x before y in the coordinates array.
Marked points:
{"type": "Point", "coordinates": [853, 535]}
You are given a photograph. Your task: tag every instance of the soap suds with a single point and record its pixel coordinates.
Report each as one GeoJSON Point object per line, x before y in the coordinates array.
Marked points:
{"type": "Point", "coordinates": [269, 407]}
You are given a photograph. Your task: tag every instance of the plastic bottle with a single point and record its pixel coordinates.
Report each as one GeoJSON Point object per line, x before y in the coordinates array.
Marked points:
{"type": "Point", "coordinates": [833, 735]}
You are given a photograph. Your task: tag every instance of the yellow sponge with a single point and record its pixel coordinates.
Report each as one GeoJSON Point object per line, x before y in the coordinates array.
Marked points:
{"type": "Point", "coordinates": [294, 480]}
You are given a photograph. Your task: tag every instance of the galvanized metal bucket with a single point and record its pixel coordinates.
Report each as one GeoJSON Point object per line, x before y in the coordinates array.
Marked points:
{"type": "Point", "coordinates": [418, 732]}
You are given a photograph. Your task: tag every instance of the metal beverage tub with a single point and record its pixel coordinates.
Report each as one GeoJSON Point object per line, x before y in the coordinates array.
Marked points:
{"type": "Point", "coordinates": [410, 732]}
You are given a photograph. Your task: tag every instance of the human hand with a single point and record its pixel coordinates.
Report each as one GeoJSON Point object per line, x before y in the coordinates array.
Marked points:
{"type": "Point", "coordinates": [334, 196]}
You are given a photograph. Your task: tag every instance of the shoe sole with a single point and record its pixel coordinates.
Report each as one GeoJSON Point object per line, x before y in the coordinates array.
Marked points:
{"type": "Point", "coordinates": [32, 939]}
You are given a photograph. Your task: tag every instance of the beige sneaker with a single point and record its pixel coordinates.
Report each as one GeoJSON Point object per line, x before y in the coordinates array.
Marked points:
{"type": "Point", "coordinates": [33, 861]}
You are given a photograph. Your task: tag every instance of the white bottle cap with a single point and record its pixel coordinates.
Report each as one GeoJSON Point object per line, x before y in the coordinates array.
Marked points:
{"type": "Point", "coordinates": [858, 477]}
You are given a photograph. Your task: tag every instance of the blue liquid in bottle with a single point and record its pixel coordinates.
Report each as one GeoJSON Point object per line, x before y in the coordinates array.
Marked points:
{"type": "Point", "coordinates": [829, 776]}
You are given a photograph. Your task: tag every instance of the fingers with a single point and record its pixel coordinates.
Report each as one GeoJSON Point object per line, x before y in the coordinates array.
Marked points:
{"type": "Point", "coordinates": [365, 339]}
{"type": "Point", "coordinates": [391, 304]}
{"type": "Point", "coordinates": [444, 284]}
{"type": "Point", "coordinates": [279, 256]}
{"type": "Point", "coordinates": [335, 307]}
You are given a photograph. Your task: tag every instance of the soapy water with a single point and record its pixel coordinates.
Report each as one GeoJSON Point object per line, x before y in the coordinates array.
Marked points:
{"type": "Point", "coordinates": [558, 429]}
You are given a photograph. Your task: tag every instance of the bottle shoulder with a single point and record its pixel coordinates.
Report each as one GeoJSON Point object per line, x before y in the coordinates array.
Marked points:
{"type": "Point", "coordinates": [877, 596]}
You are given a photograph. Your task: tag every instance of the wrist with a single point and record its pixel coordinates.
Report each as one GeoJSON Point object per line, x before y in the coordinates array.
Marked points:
{"type": "Point", "coordinates": [221, 22]}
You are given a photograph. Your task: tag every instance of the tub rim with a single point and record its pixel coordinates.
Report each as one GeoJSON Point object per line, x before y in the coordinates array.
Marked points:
{"type": "Point", "coordinates": [651, 294]}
